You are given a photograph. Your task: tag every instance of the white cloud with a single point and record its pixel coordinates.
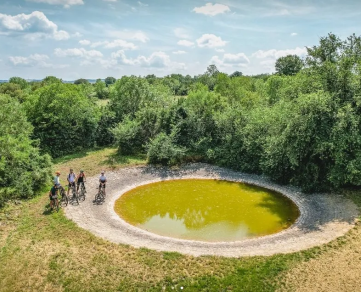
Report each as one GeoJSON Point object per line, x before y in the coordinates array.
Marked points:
{"type": "Point", "coordinates": [155, 60]}
{"type": "Point", "coordinates": [128, 35]}
{"type": "Point", "coordinates": [65, 3]}
{"type": "Point", "coordinates": [78, 53]}
{"type": "Point", "coordinates": [275, 54]}
{"type": "Point", "coordinates": [85, 42]}
{"type": "Point", "coordinates": [110, 0]}
{"type": "Point", "coordinates": [294, 34]}
{"type": "Point", "coordinates": [181, 33]}
{"type": "Point", "coordinates": [210, 41]}
{"type": "Point", "coordinates": [231, 60]}
{"type": "Point", "coordinates": [185, 43]}
{"type": "Point", "coordinates": [115, 44]}
{"type": "Point", "coordinates": [33, 25]}
{"type": "Point", "coordinates": [142, 4]}
{"type": "Point", "coordinates": [212, 9]}
{"type": "Point", "coordinates": [35, 60]}
{"type": "Point", "coordinates": [179, 52]}
{"type": "Point", "coordinates": [220, 50]}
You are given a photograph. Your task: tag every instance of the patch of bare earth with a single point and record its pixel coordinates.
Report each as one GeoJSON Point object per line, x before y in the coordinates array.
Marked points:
{"type": "Point", "coordinates": [337, 269]}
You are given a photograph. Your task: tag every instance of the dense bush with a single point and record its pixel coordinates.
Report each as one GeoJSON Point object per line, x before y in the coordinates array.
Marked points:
{"type": "Point", "coordinates": [64, 119]}
{"type": "Point", "coordinates": [163, 150]}
{"type": "Point", "coordinates": [23, 171]}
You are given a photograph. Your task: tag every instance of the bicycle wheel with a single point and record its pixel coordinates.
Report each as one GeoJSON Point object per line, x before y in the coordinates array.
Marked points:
{"type": "Point", "coordinates": [75, 195]}
{"type": "Point", "coordinates": [102, 194]}
{"type": "Point", "coordinates": [64, 199]}
{"type": "Point", "coordinates": [82, 193]}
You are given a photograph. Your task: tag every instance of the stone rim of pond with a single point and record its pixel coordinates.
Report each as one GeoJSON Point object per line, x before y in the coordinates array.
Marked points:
{"type": "Point", "coordinates": [323, 217]}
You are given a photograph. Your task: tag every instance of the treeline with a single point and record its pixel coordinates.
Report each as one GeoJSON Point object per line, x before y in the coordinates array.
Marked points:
{"type": "Point", "coordinates": [301, 125]}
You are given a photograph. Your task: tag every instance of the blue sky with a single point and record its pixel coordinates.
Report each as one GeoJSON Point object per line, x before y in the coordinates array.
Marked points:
{"type": "Point", "coordinates": [74, 39]}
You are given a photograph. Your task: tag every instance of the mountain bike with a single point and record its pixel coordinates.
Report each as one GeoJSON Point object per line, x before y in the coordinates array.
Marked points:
{"type": "Point", "coordinates": [82, 192]}
{"type": "Point", "coordinates": [100, 196]}
{"type": "Point", "coordinates": [74, 196]}
{"type": "Point", "coordinates": [63, 198]}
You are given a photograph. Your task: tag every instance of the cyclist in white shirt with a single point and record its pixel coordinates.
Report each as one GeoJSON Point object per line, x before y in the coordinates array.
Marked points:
{"type": "Point", "coordinates": [71, 180]}
{"type": "Point", "coordinates": [102, 181]}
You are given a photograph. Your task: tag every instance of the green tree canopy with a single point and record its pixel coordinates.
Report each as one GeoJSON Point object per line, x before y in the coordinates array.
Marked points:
{"type": "Point", "coordinates": [20, 81]}
{"type": "Point", "coordinates": [65, 120]}
{"type": "Point", "coordinates": [289, 65]}
{"type": "Point", "coordinates": [23, 171]}
{"type": "Point", "coordinates": [81, 81]}
{"type": "Point", "coordinates": [110, 80]}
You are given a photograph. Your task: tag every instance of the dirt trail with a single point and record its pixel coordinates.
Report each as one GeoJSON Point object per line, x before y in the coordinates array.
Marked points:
{"type": "Point", "coordinates": [323, 217]}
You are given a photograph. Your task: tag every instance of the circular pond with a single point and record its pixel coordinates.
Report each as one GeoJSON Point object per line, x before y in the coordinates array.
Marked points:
{"type": "Point", "coordinates": [206, 210]}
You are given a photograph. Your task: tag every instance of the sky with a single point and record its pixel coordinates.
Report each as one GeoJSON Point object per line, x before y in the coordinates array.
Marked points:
{"type": "Point", "coordinates": [92, 39]}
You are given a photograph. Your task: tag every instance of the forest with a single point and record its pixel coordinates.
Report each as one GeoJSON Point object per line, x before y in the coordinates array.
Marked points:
{"type": "Point", "coordinates": [299, 126]}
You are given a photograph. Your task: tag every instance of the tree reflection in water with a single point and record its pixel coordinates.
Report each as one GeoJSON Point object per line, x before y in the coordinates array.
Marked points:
{"type": "Point", "coordinates": [206, 209]}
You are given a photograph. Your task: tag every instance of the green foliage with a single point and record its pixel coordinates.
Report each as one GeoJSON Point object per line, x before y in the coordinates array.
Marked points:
{"type": "Point", "coordinates": [109, 81]}
{"type": "Point", "coordinates": [23, 171]}
{"type": "Point", "coordinates": [163, 150]}
{"type": "Point", "coordinates": [236, 74]}
{"type": "Point", "coordinates": [128, 95]}
{"type": "Point", "coordinates": [50, 80]}
{"type": "Point", "coordinates": [81, 81]}
{"type": "Point", "coordinates": [19, 81]}
{"type": "Point", "coordinates": [104, 135]}
{"type": "Point", "coordinates": [101, 89]}
{"type": "Point", "coordinates": [64, 119]}
{"type": "Point", "coordinates": [13, 90]}
{"type": "Point", "coordinates": [289, 65]}
{"type": "Point", "coordinates": [127, 136]}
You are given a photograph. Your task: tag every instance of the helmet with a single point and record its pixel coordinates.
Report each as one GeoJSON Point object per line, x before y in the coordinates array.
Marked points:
{"type": "Point", "coordinates": [57, 172]}
{"type": "Point", "coordinates": [81, 170]}
{"type": "Point", "coordinates": [102, 172]}
{"type": "Point", "coordinates": [71, 169]}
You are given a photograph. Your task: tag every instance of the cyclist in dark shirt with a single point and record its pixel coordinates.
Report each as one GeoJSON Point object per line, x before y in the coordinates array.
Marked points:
{"type": "Point", "coordinates": [81, 179]}
{"type": "Point", "coordinates": [53, 196]}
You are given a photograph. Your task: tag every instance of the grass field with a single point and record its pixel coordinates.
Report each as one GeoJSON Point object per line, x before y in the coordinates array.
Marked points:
{"type": "Point", "coordinates": [42, 251]}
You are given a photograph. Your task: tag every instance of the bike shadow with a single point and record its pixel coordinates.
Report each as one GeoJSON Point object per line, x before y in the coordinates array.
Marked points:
{"type": "Point", "coordinates": [48, 211]}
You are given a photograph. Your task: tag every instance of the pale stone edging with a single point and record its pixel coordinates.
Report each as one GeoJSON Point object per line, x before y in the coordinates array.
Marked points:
{"type": "Point", "coordinates": [323, 217]}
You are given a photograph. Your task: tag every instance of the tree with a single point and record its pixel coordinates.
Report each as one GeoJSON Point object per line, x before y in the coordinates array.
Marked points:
{"type": "Point", "coordinates": [14, 90]}
{"type": "Point", "coordinates": [101, 90]}
{"type": "Point", "coordinates": [129, 94]}
{"type": "Point", "coordinates": [23, 171]}
{"type": "Point", "coordinates": [109, 81]}
{"type": "Point", "coordinates": [20, 81]}
{"type": "Point", "coordinates": [48, 80]}
{"type": "Point", "coordinates": [289, 65]}
{"type": "Point", "coordinates": [65, 120]}
{"type": "Point", "coordinates": [236, 74]}
{"type": "Point", "coordinates": [81, 81]}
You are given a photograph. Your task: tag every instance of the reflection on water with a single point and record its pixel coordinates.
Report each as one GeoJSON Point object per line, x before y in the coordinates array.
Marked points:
{"type": "Point", "coordinates": [208, 210]}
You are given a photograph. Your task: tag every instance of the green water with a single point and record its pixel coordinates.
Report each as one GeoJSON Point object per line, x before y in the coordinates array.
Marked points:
{"type": "Point", "coordinates": [206, 210]}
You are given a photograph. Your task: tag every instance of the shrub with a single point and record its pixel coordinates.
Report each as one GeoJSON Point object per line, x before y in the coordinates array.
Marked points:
{"type": "Point", "coordinates": [162, 150]}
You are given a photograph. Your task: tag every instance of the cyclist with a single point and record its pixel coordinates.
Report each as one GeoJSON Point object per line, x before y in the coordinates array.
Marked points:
{"type": "Point", "coordinates": [53, 196]}
{"type": "Point", "coordinates": [71, 180]}
{"type": "Point", "coordinates": [57, 179]}
{"type": "Point", "coordinates": [102, 181]}
{"type": "Point", "coordinates": [81, 179]}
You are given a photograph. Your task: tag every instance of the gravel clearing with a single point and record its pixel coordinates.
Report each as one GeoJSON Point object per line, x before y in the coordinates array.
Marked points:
{"type": "Point", "coordinates": [323, 217]}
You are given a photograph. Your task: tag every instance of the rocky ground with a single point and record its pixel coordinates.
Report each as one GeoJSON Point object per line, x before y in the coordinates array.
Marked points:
{"type": "Point", "coordinates": [323, 217]}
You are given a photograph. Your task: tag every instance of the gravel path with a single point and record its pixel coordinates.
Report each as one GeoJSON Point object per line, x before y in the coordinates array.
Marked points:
{"type": "Point", "coordinates": [323, 217]}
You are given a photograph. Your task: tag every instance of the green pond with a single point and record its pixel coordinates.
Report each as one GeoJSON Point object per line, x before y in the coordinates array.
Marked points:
{"type": "Point", "coordinates": [206, 210]}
